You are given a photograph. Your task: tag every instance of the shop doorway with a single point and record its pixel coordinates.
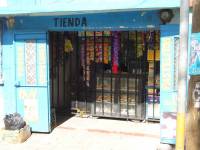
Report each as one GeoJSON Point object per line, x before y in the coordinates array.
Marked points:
{"type": "Point", "coordinates": [106, 74]}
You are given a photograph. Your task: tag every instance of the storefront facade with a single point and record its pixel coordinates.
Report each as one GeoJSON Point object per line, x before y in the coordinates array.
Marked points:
{"type": "Point", "coordinates": [35, 68]}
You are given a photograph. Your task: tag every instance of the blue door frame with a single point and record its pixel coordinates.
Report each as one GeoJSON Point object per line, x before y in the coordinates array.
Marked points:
{"type": "Point", "coordinates": [32, 79]}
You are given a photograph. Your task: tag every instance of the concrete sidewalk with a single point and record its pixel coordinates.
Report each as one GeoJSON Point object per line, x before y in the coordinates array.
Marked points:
{"type": "Point", "coordinates": [93, 134]}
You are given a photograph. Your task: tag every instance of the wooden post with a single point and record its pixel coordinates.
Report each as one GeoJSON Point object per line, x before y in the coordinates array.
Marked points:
{"type": "Point", "coordinates": [195, 17]}
{"type": "Point", "coordinates": [193, 114]}
{"type": "Point", "coordinates": [192, 119]}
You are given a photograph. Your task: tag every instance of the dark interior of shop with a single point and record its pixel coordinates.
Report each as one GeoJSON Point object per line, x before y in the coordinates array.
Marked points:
{"type": "Point", "coordinates": [113, 74]}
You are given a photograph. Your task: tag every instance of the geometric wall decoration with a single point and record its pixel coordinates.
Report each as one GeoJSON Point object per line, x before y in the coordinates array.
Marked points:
{"type": "Point", "coordinates": [30, 62]}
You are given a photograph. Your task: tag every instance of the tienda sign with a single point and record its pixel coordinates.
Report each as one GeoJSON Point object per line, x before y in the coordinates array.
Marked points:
{"type": "Point", "coordinates": [70, 22]}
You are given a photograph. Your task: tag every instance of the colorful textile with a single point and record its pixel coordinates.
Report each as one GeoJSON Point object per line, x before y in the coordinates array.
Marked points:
{"type": "Point", "coordinates": [116, 49]}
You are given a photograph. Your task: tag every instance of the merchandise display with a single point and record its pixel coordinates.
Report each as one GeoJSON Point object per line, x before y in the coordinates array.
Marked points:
{"type": "Point", "coordinates": [116, 49]}
{"type": "Point", "coordinates": [153, 84]}
{"type": "Point", "coordinates": [109, 73]}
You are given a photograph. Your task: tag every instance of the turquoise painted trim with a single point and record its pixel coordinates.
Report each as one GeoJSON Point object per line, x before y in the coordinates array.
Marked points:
{"type": "Point", "coordinates": [9, 71]}
{"type": "Point", "coordinates": [48, 79]}
{"type": "Point", "coordinates": [102, 21]}
{"type": "Point", "coordinates": [189, 52]}
{"type": "Point", "coordinates": [39, 7]}
{"type": "Point", "coordinates": [168, 141]}
{"type": "Point", "coordinates": [20, 36]}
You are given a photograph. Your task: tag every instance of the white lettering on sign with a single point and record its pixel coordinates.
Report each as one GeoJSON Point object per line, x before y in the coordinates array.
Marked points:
{"type": "Point", "coordinates": [195, 45]}
{"type": "Point", "coordinates": [3, 3]}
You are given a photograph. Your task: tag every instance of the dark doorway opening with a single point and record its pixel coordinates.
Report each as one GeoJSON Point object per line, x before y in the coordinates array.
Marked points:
{"type": "Point", "coordinates": [106, 73]}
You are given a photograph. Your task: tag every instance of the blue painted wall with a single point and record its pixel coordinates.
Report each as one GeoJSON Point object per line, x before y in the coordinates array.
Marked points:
{"type": "Point", "coordinates": [98, 21]}
{"type": "Point", "coordinates": [168, 88]}
{"type": "Point", "coordinates": [140, 20]}
{"type": "Point", "coordinates": [8, 89]}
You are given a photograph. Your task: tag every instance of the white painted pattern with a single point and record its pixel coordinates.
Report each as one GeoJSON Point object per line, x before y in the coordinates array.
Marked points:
{"type": "Point", "coordinates": [30, 62]}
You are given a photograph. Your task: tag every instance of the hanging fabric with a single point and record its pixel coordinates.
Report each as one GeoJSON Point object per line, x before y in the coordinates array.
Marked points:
{"type": "Point", "coordinates": [106, 53]}
{"type": "Point", "coordinates": [116, 49]}
{"type": "Point", "coordinates": [90, 48]}
{"type": "Point", "coordinates": [107, 47]}
{"type": "Point", "coordinates": [140, 44]}
{"type": "Point", "coordinates": [98, 52]}
{"type": "Point", "coordinates": [150, 56]}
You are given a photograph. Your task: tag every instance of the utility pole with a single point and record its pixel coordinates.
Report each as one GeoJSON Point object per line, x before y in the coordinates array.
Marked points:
{"type": "Point", "coordinates": [182, 75]}
{"type": "Point", "coordinates": [193, 112]}
{"type": "Point", "coordinates": [195, 16]}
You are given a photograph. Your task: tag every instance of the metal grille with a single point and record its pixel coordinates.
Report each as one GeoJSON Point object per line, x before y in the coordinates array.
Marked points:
{"type": "Point", "coordinates": [115, 73]}
{"type": "Point", "coordinates": [153, 84]}
{"type": "Point", "coordinates": [114, 69]}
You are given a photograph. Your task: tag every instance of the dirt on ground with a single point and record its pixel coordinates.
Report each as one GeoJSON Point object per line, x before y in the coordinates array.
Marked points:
{"type": "Point", "coordinates": [93, 134]}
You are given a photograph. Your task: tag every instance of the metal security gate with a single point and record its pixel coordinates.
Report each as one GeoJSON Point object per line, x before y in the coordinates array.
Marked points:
{"type": "Point", "coordinates": [112, 72]}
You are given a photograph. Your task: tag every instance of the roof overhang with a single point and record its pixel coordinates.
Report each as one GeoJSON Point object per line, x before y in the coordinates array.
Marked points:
{"type": "Point", "coordinates": [64, 7]}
